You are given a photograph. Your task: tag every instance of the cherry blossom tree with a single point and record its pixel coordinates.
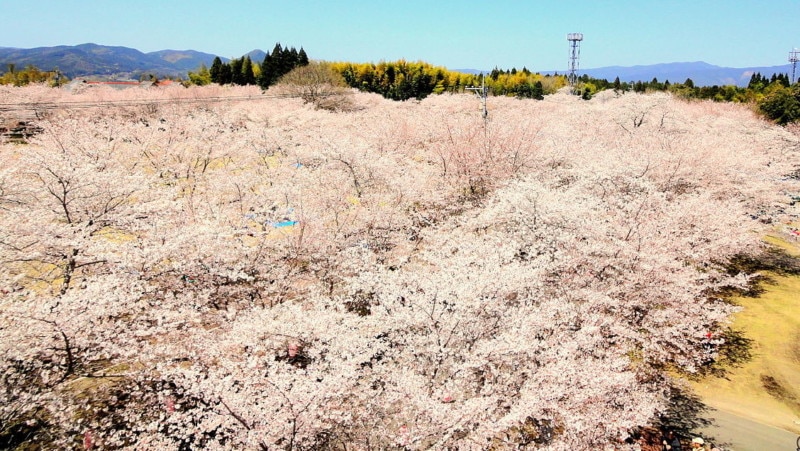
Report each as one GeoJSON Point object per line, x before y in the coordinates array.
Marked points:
{"type": "Point", "coordinates": [218, 269]}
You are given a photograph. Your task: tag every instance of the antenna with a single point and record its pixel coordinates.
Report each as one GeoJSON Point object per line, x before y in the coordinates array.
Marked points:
{"type": "Point", "coordinates": [793, 58]}
{"type": "Point", "coordinates": [574, 55]}
{"type": "Point", "coordinates": [483, 93]}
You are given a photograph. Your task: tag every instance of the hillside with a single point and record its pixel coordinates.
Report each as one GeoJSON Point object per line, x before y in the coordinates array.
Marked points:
{"type": "Point", "coordinates": [218, 268]}
{"type": "Point", "coordinates": [93, 59]}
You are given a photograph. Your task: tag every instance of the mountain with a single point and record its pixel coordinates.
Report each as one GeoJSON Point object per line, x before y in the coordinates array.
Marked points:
{"type": "Point", "coordinates": [256, 56]}
{"type": "Point", "coordinates": [185, 60]}
{"type": "Point", "coordinates": [123, 62]}
{"type": "Point", "coordinates": [93, 59]}
{"type": "Point", "coordinates": [701, 73]}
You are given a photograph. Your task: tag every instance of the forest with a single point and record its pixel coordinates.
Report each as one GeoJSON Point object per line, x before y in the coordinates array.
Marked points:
{"type": "Point", "coordinates": [216, 267]}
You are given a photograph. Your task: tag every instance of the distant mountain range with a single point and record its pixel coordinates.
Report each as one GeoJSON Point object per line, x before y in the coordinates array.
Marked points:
{"type": "Point", "coordinates": [701, 73]}
{"type": "Point", "coordinates": [123, 62]}
{"type": "Point", "coordinates": [101, 60]}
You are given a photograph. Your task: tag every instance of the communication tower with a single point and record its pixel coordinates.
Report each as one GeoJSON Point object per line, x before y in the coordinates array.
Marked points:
{"type": "Point", "coordinates": [574, 57]}
{"type": "Point", "coordinates": [793, 58]}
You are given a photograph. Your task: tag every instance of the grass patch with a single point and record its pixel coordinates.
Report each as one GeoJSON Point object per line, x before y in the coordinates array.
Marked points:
{"type": "Point", "coordinates": [766, 387]}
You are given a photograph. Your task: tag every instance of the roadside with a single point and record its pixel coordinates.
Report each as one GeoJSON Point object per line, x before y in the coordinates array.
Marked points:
{"type": "Point", "coordinates": [736, 433]}
{"type": "Point", "coordinates": [756, 406]}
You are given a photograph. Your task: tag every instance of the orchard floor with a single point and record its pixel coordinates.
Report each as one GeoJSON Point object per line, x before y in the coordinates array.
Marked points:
{"type": "Point", "coordinates": [757, 405]}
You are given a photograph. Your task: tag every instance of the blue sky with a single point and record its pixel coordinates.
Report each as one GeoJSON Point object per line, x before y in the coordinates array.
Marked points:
{"type": "Point", "coordinates": [456, 34]}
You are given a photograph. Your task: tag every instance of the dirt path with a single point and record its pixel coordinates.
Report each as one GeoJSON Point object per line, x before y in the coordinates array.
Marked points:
{"type": "Point", "coordinates": [740, 434]}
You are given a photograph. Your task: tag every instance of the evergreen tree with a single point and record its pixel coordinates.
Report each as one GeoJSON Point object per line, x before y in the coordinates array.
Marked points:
{"type": "Point", "coordinates": [248, 76]}
{"type": "Point", "coordinates": [538, 91]}
{"type": "Point", "coordinates": [754, 79]}
{"type": "Point", "coordinates": [225, 76]}
{"type": "Point", "coordinates": [237, 76]}
{"type": "Point", "coordinates": [280, 63]}
{"type": "Point", "coordinates": [302, 58]}
{"type": "Point", "coordinates": [267, 68]}
{"type": "Point", "coordinates": [655, 85]}
{"type": "Point", "coordinates": [216, 69]}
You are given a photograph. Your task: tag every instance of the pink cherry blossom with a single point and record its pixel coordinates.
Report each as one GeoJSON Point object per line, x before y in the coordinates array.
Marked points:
{"type": "Point", "coordinates": [540, 268]}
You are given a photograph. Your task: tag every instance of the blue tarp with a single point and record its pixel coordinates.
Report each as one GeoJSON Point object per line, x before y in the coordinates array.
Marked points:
{"type": "Point", "coordinates": [284, 223]}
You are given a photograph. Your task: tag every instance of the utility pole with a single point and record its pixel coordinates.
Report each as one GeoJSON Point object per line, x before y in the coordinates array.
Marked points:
{"type": "Point", "coordinates": [793, 58]}
{"type": "Point", "coordinates": [483, 93]}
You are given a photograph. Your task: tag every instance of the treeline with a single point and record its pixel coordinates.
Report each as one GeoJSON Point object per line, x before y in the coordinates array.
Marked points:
{"type": "Point", "coordinates": [523, 83]}
{"type": "Point", "coordinates": [243, 71]}
{"type": "Point", "coordinates": [403, 80]}
{"type": "Point", "coordinates": [774, 97]}
{"type": "Point", "coordinates": [31, 74]}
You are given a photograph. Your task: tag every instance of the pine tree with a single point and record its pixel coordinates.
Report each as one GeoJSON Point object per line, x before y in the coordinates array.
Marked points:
{"type": "Point", "coordinates": [276, 64]}
{"type": "Point", "coordinates": [248, 77]}
{"type": "Point", "coordinates": [302, 58]}
{"type": "Point", "coordinates": [225, 76]}
{"type": "Point", "coordinates": [267, 68]}
{"type": "Point", "coordinates": [538, 91]}
{"type": "Point", "coordinates": [279, 56]}
{"type": "Point", "coordinates": [237, 76]}
{"type": "Point", "coordinates": [216, 68]}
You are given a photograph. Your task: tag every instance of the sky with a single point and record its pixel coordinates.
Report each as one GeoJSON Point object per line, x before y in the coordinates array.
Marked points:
{"type": "Point", "coordinates": [462, 34]}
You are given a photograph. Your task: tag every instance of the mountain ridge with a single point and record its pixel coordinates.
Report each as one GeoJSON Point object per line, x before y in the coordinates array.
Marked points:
{"type": "Point", "coordinates": [92, 59]}
{"type": "Point", "coordinates": [701, 73]}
